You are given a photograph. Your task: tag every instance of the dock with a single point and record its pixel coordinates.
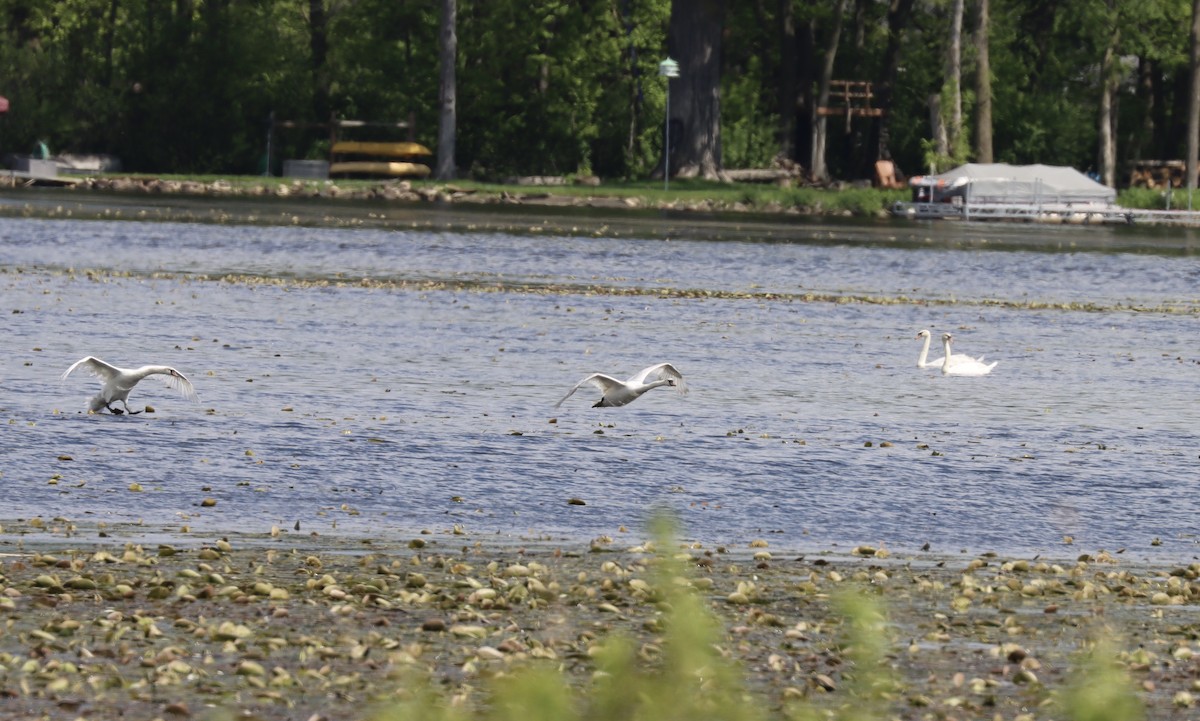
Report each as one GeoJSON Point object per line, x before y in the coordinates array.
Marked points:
{"type": "Point", "coordinates": [14, 178]}
{"type": "Point", "coordinates": [1053, 213]}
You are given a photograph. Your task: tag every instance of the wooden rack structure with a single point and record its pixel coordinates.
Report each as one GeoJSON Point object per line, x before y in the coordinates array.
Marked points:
{"type": "Point", "coordinates": [855, 97]}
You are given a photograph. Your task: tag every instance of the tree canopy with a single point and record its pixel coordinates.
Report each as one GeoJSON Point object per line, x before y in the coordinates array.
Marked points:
{"type": "Point", "coordinates": [571, 86]}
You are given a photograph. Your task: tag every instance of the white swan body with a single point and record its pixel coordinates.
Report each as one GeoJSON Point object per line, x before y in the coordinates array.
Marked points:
{"type": "Point", "coordinates": [118, 382]}
{"type": "Point", "coordinates": [619, 393]}
{"type": "Point", "coordinates": [938, 362]}
{"type": "Point", "coordinates": [970, 367]}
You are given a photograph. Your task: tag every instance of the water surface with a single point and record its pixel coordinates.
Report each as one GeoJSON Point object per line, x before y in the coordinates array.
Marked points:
{"type": "Point", "coordinates": [424, 398]}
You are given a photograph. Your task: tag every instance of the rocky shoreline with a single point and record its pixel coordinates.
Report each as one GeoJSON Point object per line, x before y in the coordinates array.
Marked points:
{"type": "Point", "coordinates": [405, 191]}
{"type": "Point", "coordinates": [101, 624]}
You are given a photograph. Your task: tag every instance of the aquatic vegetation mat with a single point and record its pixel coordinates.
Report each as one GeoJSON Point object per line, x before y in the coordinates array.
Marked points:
{"type": "Point", "coordinates": [94, 624]}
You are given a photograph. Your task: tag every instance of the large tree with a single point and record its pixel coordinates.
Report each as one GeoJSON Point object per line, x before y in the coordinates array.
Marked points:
{"type": "Point", "coordinates": [953, 81]}
{"type": "Point", "coordinates": [318, 45]}
{"type": "Point", "coordinates": [694, 41]}
{"type": "Point", "coordinates": [898, 15]}
{"type": "Point", "coordinates": [1193, 115]}
{"type": "Point", "coordinates": [1110, 81]}
{"type": "Point", "coordinates": [447, 92]}
{"type": "Point", "coordinates": [789, 83]}
{"type": "Point", "coordinates": [983, 84]}
{"type": "Point", "coordinates": [817, 165]}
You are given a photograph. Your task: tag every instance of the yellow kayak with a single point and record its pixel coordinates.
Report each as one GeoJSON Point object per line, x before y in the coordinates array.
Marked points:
{"type": "Point", "coordinates": [366, 167]}
{"type": "Point", "coordinates": [386, 150]}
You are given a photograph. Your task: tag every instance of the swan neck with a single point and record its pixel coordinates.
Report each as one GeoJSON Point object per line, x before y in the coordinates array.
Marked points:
{"type": "Point", "coordinates": [145, 371]}
{"type": "Point", "coordinates": [924, 352]}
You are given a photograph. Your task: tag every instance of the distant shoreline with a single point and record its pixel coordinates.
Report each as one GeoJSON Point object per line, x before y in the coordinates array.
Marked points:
{"type": "Point", "coordinates": [726, 198]}
{"type": "Point", "coordinates": [564, 212]}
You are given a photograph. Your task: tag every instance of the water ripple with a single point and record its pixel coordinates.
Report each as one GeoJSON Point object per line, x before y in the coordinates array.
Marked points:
{"type": "Point", "coordinates": [369, 409]}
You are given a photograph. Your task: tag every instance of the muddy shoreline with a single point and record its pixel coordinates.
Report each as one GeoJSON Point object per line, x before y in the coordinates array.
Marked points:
{"type": "Point", "coordinates": [528, 211]}
{"type": "Point", "coordinates": [290, 625]}
{"type": "Point", "coordinates": [396, 207]}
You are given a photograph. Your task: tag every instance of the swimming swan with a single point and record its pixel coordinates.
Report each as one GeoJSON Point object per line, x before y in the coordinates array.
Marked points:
{"type": "Point", "coordinates": [618, 393]}
{"type": "Point", "coordinates": [937, 362]}
{"type": "Point", "coordinates": [119, 381]}
{"type": "Point", "coordinates": [970, 367]}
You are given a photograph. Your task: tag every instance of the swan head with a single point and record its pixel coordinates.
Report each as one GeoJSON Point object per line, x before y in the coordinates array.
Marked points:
{"type": "Point", "coordinates": [946, 337]}
{"type": "Point", "coordinates": [923, 334]}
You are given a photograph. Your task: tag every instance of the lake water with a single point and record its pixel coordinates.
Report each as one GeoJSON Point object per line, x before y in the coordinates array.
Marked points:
{"type": "Point", "coordinates": [423, 398]}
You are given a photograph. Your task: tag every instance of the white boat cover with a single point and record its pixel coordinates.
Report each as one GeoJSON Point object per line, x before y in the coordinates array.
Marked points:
{"type": "Point", "coordinates": [1004, 183]}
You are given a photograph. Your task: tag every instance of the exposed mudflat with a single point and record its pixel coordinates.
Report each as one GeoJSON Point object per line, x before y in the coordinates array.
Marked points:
{"type": "Point", "coordinates": [296, 626]}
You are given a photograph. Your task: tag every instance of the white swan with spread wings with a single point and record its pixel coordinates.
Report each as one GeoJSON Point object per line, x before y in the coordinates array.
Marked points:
{"type": "Point", "coordinates": [118, 382]}
{"type": "Point", "coordinates": [619, 393]}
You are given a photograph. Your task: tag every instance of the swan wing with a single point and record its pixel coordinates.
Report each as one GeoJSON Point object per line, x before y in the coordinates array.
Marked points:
{"type": "Point", "coordinates": [104, 371]}
{"type": "Point", "coordinates": [955, 359]}
{"type": "Point", "coordinates": [603, 382]}
{"type": "Point", "coordinates": [964, 358]}
{"type": "Point", "coordinates": [971, 368]}
{"type": "Point", "coordinates": [179, 382]}
{"type": "Point", "coordinates": [660, 372]}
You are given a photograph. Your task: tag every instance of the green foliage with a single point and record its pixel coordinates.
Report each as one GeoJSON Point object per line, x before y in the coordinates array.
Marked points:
{"type": "Point", "coordinates": [556, 86]}
{"type": "Point", "coordinates": [92, 76]}
{"type": "Point", "coordinates": [863, 202]}
{"type": "Point", "coordinates": [538, 694]}
{"type": "Point", "coordinates": [1156, 199]}
{"type": "Point", "coordinates": [383, 65]}
{"type": "Point", "coordinates": [866, 640]}
{"type": "Point", "coordinates": [748, 127]}
{"type": "Point", "coordinates": [1100, 690]}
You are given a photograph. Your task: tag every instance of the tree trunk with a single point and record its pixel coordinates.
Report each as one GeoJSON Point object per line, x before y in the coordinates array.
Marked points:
{"type": "Point", "coordinates": [1193, 118]}
{"type": "Point", "coordinates": [954, 79]}
{"type": "Point", "coordinates": [1109, 81]}
{"type": "Point", "coordinates": [447, 91]}
{"type": "Point", "coordinates": [983, 86]}
{"type": "Point", "coordinates": [694, 41]}
{"type": "Point", "coordinates": [861, 8]}
{"type": "Point", "coordinates": [1107, 160]}
{"type": "Point", "coordinates": [937, 122]}
{"type": "Point", "coordinates": [897, 18]}
{"type": "Point", "coordinates": [805, 99]}
{"type": "Point", "coordinates": [1140, 140]}
{"type": "Point", "coordinates": [788, 83]}
{"type": "Point", "coordinates": [817, 164]}
{"type": "Point", "coordinates": [318, 43]}
{"type": "Point", "coordinates": [109, 42]}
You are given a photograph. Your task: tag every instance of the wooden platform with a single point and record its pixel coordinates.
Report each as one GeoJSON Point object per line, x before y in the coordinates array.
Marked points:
{"type": "Point", "coordinates": [13, 178]}
{"type": "Point", "coordinates": [1055, 213]}
{"type": "Point", "coordinates": [855, 97]}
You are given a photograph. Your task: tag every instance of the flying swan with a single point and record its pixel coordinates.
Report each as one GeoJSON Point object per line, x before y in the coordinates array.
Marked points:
{"type": "Point", "coordinates": [938, 362]}
{"type": "Point", "coordinates": [971, 367]}
{"type": "Point", "coordinates": [618, 393]}
{"type": "Point", "coordinates": [117, 382]}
